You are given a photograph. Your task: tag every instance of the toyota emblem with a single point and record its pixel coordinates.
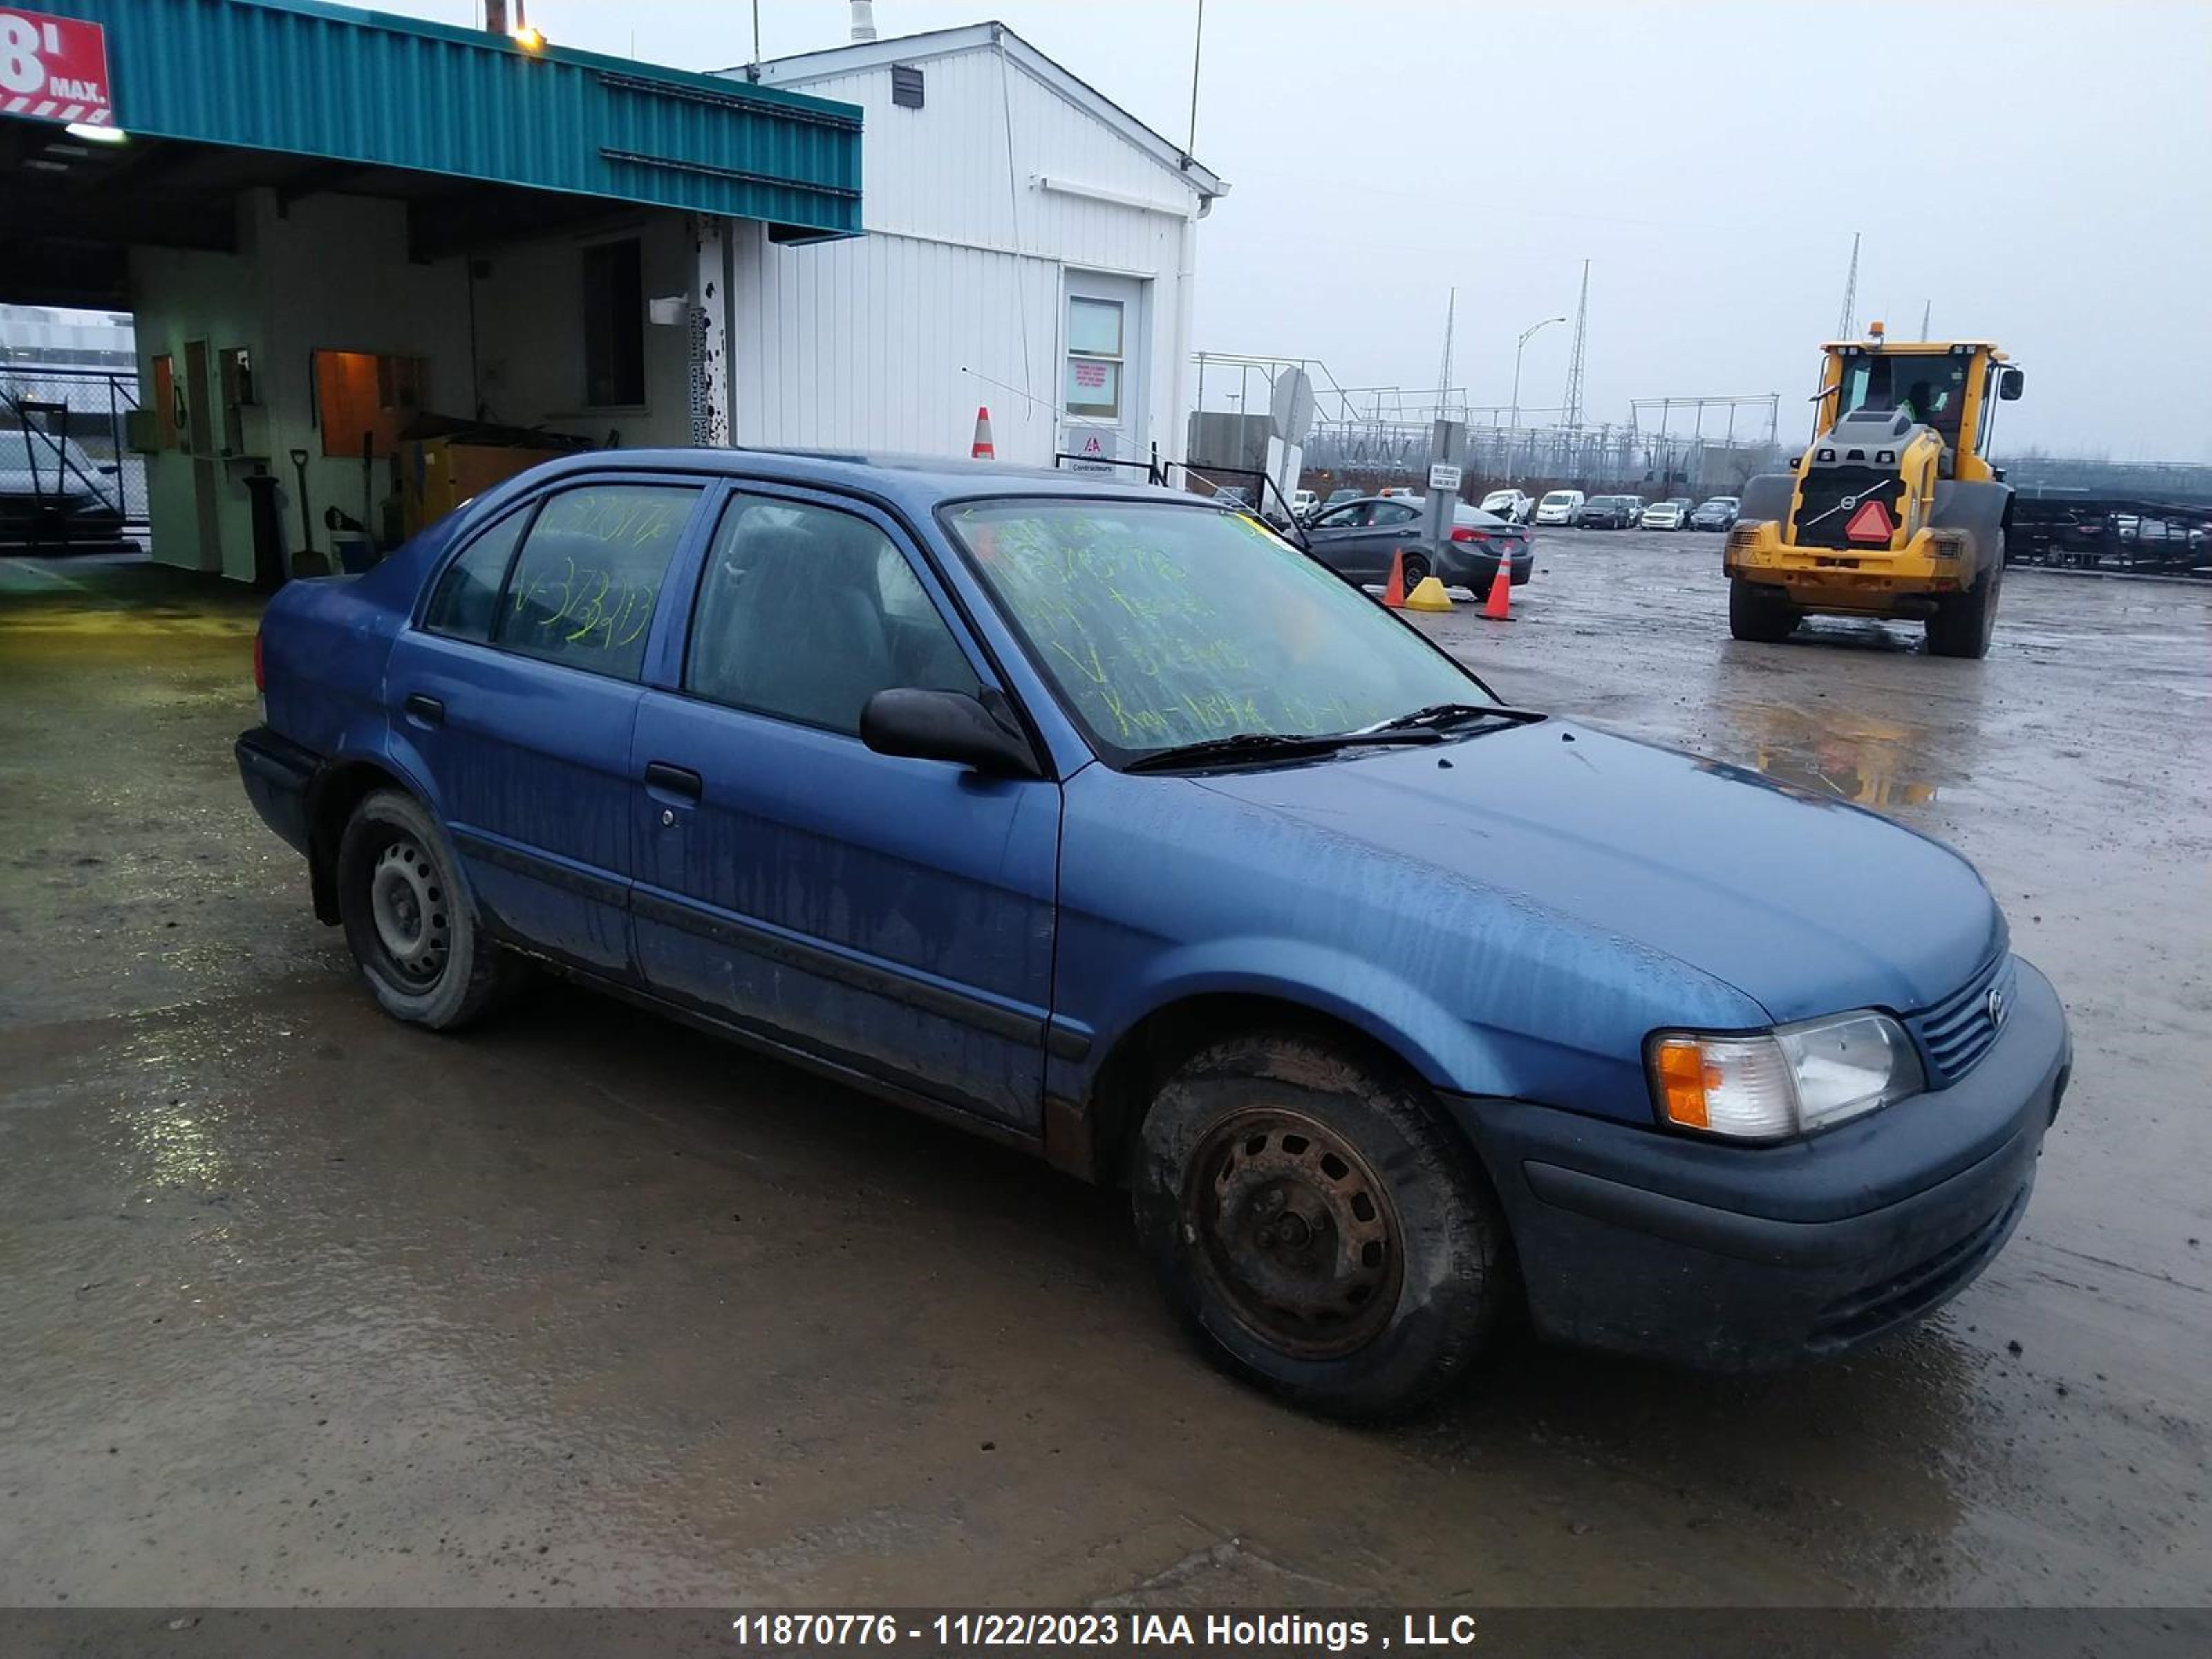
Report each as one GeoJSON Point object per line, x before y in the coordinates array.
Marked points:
{"type": "Point", "coordinates": [1996, 1009]}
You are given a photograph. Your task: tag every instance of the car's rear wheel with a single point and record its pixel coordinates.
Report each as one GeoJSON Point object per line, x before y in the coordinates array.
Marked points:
{"type": "Point", "coordinates": [1417, 570]}
{"type": "Point", "coordinates": [408, 922]}
{"type": "Point", "coordinates": [1758, 613]}
{"type": "Point", "coordinates": [1319, 1230]}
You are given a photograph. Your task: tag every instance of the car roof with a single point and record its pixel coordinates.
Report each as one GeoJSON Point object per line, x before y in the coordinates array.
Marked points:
{"type": "Point", "coordinates": [916, 482]}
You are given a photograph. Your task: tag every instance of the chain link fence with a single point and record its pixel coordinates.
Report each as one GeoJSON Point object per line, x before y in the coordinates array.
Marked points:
{"type": "Point", "coordinates": [1583, 458]}
{"type": "Point", "coordinates": [62, 432]}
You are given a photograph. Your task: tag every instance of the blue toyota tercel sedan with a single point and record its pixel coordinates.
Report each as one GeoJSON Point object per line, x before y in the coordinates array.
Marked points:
{"type": "Point", "coordinates": [1101, 821]}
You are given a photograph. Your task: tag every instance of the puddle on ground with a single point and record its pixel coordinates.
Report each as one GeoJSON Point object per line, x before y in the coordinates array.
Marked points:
{"type": "Point", "coordinates": [1868, 762]}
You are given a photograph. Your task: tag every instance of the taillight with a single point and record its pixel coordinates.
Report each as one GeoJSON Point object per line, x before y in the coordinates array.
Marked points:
{"type": "Point", "coordinates": [260, 674]}
{"type": "Point", "coordinates": [1461, 533]}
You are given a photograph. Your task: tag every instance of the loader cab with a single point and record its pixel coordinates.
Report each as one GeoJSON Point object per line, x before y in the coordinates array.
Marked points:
{"type": "Point", "coordinates": [1951, 388]}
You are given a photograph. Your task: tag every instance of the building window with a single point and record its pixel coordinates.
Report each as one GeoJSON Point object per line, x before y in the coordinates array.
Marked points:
{"type": "Point", "coordinates": [1094, 358]}
{"type": "Point", "coordinates": [614, 325]}
{"type": "Point", "coordinates": [365, 395]}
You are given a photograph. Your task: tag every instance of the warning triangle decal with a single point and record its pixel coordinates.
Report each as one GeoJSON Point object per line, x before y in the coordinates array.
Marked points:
{"type": "Point", "coordinates": [1871, 523]}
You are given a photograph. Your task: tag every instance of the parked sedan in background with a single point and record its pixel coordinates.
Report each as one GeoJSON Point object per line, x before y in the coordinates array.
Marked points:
{"type": "Point", "coordinates": [1717, 514]}
{"type": "Point", "coordinates": [1359, 539]}
{"type": "Point", "coordinates": [1610, 513]}
{"type": "Point", "coordinates": [1514, 505]}
{"type": "Point", "coordinates": [54, 496]}
{"type": "Point", "coordinates": [1670, 514]}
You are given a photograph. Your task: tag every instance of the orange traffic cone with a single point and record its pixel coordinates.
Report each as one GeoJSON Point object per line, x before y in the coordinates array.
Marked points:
{"type": "Point", "coordinates": [1394, 590]}
{"type": "Point", "coordinates": [983, 450]}
{"type": "Point", "coordinates": [1499, 606]}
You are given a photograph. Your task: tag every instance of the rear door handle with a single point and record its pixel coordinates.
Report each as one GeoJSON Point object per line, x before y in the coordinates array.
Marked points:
{"type": "Point", "coordinates": [428, 710]}
{"type": "Point", "coordinates": [679, 781]}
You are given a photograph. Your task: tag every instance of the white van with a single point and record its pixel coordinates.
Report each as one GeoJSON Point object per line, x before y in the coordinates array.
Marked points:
{"type": "Point", "coordinates": [1561, 506]}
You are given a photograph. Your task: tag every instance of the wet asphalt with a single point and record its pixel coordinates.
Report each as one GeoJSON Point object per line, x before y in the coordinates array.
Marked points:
{"type": "Point", "coordinates": [304, 1307]}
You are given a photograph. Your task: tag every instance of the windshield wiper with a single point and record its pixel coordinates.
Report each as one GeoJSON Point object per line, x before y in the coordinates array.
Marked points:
{"type": "Point", "coordinates": [1438, 716]}
{"type": "Point", "coordinates": [1256, 745]}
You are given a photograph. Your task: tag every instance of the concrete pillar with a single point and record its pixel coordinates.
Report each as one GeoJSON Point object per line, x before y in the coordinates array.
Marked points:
{"type": "Point", "coordinates": [708, 325]}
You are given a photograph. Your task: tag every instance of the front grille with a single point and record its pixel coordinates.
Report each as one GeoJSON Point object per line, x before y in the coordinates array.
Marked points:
{"type": "Point", "coordinates": [1903, 1295]}
{"type": "Point", "coordinates": [1958, 1031]}
{"type": "Point", "coordinates": [1822, 515]}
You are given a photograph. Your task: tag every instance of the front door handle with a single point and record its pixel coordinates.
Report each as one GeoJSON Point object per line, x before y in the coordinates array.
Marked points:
{"type": "Point", "coordinates": [428, 710]}
{"type": "Point", "coordinates": [678, 780]}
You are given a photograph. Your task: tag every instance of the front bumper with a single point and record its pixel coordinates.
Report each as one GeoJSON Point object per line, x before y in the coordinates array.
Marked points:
{"type": "Point", "coordinates": [1870, 580]}
{"type": "Point", "coordinates": [1741, 1258]}
{"type": "Point", "coordinates": [277, 774]}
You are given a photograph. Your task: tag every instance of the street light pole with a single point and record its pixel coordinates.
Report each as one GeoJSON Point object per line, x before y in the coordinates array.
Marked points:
{"type": "Point", "coordinates": [1519, 349]}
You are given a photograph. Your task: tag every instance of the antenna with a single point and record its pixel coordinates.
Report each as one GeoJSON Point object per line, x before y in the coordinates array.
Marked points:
{"type": "Point", "coordinates": [1927, 306]}
{"type": "Point", "coordinates": [1444, 375]}
{"type": "Point", "coordinates": [1850, 294]}
{"type": "Point", "coordinates": [1570, 410]}
{"type": "Point", "coordinates": [1197, 52]}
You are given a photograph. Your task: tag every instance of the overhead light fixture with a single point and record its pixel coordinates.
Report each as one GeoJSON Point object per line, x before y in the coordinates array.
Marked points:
{"type": "Point", "coordinates": [98, 135]}
{"type": "Point", "coordinates": [529, 39]}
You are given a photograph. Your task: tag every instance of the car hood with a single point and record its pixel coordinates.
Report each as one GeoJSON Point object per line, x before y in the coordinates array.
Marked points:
{"type": "Point", "coordinates": [1806, 905]}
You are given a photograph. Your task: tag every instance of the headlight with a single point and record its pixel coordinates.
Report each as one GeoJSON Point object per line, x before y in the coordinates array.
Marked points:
{"type": "Point", "coordinates": [1791, 1081]}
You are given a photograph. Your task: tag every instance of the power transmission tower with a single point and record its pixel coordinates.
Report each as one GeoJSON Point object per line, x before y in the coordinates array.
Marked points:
{"type": "Point", "coordinates": [1444, 375]}
{"type": "Point", "coordinates": [1571, 412]}
{"type": "Point", "coordinates": [1850, 294]}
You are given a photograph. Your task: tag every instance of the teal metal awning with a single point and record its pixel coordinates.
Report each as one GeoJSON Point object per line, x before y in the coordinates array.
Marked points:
{"type": "Point", "coordinates": [335, 83]}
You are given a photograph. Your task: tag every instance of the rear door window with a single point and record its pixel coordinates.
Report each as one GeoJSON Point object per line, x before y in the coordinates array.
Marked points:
{"type": "Point", "coordinates": [589, 577]}
{"type": "Point", "coordinates": [466, 600]}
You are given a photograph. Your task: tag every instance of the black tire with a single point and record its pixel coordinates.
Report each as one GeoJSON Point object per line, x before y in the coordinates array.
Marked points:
{"type": "Point", "coordinates": [1758, 613]}
{"type": "Point", "coordinates": [1964, 622]}
{"type": "Point", "coordinates": [1416, 569]}
{"type": "Point", "coordinates": [410, 930]}
{"type": "Point", "coordinates": [1400, 1266]}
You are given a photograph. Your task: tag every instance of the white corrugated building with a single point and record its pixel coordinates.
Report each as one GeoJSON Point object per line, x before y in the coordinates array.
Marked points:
{"type": "Point", "coordinates": [1029, 245]}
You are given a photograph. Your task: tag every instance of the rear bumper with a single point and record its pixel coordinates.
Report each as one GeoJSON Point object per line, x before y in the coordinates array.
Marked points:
{"type": "Point", "coordinates": [277, 773]}
{"type": "Point", "coordinates": [1460, 566]}
{"type": "Point", "coordinates": [1750, 1258]}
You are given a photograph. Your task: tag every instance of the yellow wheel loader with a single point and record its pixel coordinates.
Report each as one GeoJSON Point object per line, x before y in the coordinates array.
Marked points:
{"type": "Point", "coordinates": [1892, 511]}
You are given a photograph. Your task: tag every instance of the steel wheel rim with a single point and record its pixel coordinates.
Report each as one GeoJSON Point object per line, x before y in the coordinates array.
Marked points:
{"type": "Point", "coordinates": [1417, 570]}
{"type": "Point", "coordinates": [407, 903]}
{"type": "Point", "coordinates": [1294, 1232]}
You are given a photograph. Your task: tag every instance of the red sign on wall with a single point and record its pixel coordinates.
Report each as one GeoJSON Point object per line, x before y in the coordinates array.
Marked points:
{"type": "Point", "coordinates": [53, 68]}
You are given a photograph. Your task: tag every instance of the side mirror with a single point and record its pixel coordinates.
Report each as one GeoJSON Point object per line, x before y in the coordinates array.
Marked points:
{"type": "Point", "coordinates": [947, 725]}
{"type": "Point", "coordinates": [108, 469]}
{"type": "Point", "coordinates": [2011, 382]}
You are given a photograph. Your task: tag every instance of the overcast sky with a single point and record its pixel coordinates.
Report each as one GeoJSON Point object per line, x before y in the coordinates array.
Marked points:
{"type": "Point", "coordinates": [2040, 173]}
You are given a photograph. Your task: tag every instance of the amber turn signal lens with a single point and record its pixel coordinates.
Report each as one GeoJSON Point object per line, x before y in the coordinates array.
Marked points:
{"type": "Point", "coordinates": [1683, 1077]}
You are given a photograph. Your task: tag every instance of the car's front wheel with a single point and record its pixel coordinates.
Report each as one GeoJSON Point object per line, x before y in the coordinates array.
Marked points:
{"type": "Point", "coordinates": [408, 923]}
{"type": "Point", "coordinates": [1321, 1232]}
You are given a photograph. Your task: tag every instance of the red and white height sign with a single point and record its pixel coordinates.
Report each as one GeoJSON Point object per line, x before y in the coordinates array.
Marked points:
{"type": "Point", "coordinates": [53, 68]}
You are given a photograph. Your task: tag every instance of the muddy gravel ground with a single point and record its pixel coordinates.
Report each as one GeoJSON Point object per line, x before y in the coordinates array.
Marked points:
{"type": "Point", "coordinates": [305, 1307]}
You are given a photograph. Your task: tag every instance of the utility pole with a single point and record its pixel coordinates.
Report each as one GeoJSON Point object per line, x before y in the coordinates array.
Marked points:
{"type": "Point", "coordinates": [1443, 375]}
{"type": "Point", "coordinates": [1571, 412]}
{"type": "Point", "coordinates": [1520, 346]}
{"type": "Point", "coordinates": [1850, 294]}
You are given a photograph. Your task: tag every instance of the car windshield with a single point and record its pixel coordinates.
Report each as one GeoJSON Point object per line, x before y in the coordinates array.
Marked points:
{"type": "Point", "coordinates": [1161, 625]}
{"type": "Point", "coordinates": [1560, 498]}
